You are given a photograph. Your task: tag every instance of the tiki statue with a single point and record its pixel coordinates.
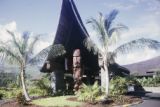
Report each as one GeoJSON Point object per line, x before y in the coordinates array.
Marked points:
{"type": "Point", "coordinates": [77, 71]}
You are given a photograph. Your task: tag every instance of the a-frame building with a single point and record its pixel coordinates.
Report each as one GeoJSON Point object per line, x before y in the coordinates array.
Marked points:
{"type": "Point", "coordinates": [71, 33]}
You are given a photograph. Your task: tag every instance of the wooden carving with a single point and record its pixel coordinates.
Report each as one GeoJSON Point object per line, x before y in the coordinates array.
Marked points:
{"type": "Point", "coordinates": [77, 71]}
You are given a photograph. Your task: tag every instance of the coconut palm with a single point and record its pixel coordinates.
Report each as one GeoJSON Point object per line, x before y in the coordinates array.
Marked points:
{"type": "Point", "coordinates": [107, 35]}
{"type": "Point", "coordinates": [20, 51]}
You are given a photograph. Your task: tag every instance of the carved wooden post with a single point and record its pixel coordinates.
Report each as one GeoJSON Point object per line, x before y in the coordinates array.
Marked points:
{"type": "Point", "coordinates": [77, 71]}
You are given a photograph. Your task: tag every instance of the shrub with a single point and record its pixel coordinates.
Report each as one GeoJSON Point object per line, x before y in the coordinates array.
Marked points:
{"type": "Point", "coordinates": [150, 81]}
{"type": "Point", "coordinates": [1, 96]}
{"type": "Point", "coordinates": [89, 93]}
{"type": "Point", "coordinates": [9, 92]}
{"type": "Point", "coordinates": [34, 91]}
{"type": "Point", "coordinates": [42, 86]}
{"type": "Point", "coordinates": [13, 85]}
{"type": "Point", "coordinates": [118, 86]}
{"type": "Point", "coordinates": [21, 99]}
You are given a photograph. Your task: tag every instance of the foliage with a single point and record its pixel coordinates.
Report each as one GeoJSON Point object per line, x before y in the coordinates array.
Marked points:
{"type": "Point", "coordinates": [107, 34]}
{"type": "Point", "coordinates": [1, 95]}
{"type": "Point", "coordinates": [19, 51]}
{"type": "Point", "coordinates": [51, 51]}
{"type": "Point", "coordinates": [9, 92]}
{"type": "Point", "coordinates": [21, 99]}
{"type": "Point", "coordinates": [119, 85]}
{"type": "Point", "coordinates": [150, 81]}
{"type": "Point", "coordinates": [60, 101]}
{"type": "Point", "coordinates": [7, 78]}
{"type": "Point", "coordinates": [13, 85]}
{"type": "Point", "coordinates": [34, 91]}
{"type": "Point", "coordinates": [42, 86]}
{"type": "Point", "coordinates": [141, 43]}
{"type": "Point", "coordinates": [89, 93]}
{"type": "Point", "coordinates": [63, 92]}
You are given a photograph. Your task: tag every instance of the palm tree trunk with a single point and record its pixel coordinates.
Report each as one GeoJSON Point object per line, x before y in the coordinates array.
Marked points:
{"type": "Point", "coordinates": [24, 85]}
{"type": "Point", "coordinates": [107, 80]}
{"type": "Point", "coordinates": [105, 77]}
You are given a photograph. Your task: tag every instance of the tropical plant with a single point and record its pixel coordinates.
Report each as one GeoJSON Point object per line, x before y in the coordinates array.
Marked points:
{"type": "Point", "coordinates": [107, 35]}
{"type": "Point", "coordinates": [118, 86]}
{"type": "Point", "coordinates": [88, 93]}
{"type": "Point", "coordinates": [21, 99]}
{"type": "Point", "coordinates": [9, 92]}
{"type": "Point", "coordinates": [1, 96]}
{"type": "Point", "coordinates": [20, 51]}
{"type": "Point", "coordinates": [43, 85]}
{"type": "Point", "coordinates": [149, 82]}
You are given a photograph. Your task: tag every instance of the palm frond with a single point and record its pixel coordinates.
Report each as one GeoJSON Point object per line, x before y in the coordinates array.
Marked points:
{"type": "Point", "coordinates": [91, 46]}
{"type": "Point", "coordinates": [98, 26]}
{"type": "Point", "coordinates": [56, 50]}
{"type": "Point", "coordinates": [138, 44]}
{"type": "Point", "coordinates": [49, 53]}
{"type": "Point", "coordinates": [25, 37]}
{"type": "Point", "coordinates": [31, 46]}
{"type": "Point", "coordinates": [14, 40]}
{"type": "Point", "coordinates": [41, 56]}
{"type": "Point", "coordinates": [110, 18]}
{"type": "Point", "coordinates": [9, 55]}
{"type": "Point", "coordinates": [111, 57]}
{"type": "Point", "coordinates": [117, 29]}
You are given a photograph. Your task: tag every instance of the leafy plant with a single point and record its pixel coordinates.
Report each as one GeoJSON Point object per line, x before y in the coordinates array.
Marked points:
{"type": "Point", "coordinates": [1, 96]}
{"type": "Point", "coordinates": [43, 85]}
{"type": "Point", "coordinates": [150, 81]}
{"type": "Point", "coordinates": [21, 99]}
{"type": "Point", "coordinates": [89, 93]}
{"type": "Point", "coordinates": [9, 92]}
{"type": "Point", "coordinates": [118, 86]}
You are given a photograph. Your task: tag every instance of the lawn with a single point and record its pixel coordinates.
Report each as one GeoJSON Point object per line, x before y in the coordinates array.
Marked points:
{"type": "Point", "coordinates": [59, 101]}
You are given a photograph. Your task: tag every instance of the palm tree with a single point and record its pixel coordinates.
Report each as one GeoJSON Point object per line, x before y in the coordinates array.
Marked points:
{"type": "Point", "coordinates": [21, 52]}
{"type": "Point", "coordinates": [106, 35]}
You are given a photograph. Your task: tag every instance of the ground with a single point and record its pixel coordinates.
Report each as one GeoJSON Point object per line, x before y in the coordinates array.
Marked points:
{"type": "Point", "coordinates": [68, 101]}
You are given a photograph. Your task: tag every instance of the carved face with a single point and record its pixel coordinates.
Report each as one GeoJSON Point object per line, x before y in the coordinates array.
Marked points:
{"type": "Point", "coordinates": [76, 58]}
{"type": "Point", "coordinates": [77, 52]}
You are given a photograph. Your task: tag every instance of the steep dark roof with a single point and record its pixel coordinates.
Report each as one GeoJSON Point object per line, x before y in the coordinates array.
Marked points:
{"type": "Point", "coordinates": [71, 34]}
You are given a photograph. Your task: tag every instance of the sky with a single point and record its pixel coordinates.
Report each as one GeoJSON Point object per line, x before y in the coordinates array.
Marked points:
{"type": "Point", "coordinates": [41, 17]}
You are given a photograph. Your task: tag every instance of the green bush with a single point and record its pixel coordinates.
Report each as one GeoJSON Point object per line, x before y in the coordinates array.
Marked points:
{"type": "Point", "coordinates": [21, 99]}
{"type": "Point", "coordinates": [34, 91]}
{"type": "Point", "coordinates": [89, 93]}
{"type": "Point", "coordinates": [150, 81]}
{"type": "Point", "coordinates": [1, 96]}
{"type": "Point", "coordinates": [13, 85]}
{"type": "Point", "coordinates": [9, 92]}
{"type": "Point", "coordinates": [42, 86]}
{"type": "Point", "coordinates": [118, 86]}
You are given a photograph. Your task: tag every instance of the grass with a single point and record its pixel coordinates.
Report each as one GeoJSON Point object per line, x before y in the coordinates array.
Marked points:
{"type": "Point", "coordinates": [59, 101]}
